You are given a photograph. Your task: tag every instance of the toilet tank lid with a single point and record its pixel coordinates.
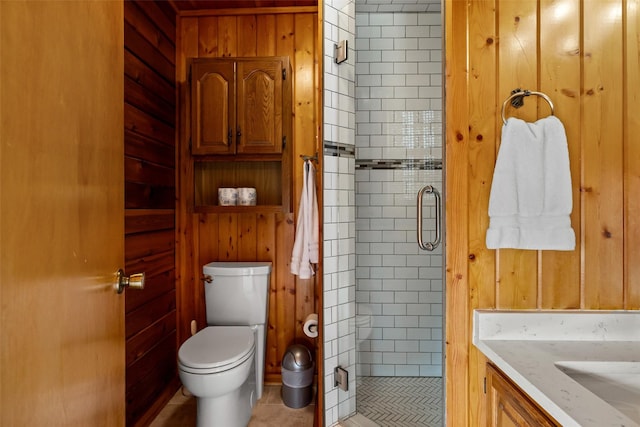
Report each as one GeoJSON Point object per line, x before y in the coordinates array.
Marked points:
{"type": "Point", "coordinates": [237, 268]}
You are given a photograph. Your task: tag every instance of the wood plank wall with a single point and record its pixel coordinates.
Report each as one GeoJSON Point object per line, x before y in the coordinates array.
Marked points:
{"type": "Point", "coordinates": [264, 236]}
{"type": "Point", "coordinates": [149, 118]}
{"type": "Point", "coordinates": [584, 55]}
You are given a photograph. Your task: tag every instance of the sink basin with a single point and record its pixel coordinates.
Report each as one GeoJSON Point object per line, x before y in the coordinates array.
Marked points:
{"type": "Point", "coordinates": [615, 382]}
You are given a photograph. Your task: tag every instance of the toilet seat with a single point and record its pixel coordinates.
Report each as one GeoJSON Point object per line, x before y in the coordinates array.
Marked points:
{"type": "Point", "coordinates": [216, 349]}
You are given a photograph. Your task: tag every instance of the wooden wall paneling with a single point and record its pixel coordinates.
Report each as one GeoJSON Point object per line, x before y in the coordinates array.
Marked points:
{"type": "Point", "coordinates": [285, 35]}
{"type": "Point", "coordinates": [207, 239]}
{"type": "Point", "coordinates": [138, 170]}
{"type": "Point", "coordinates": [149, 165]}
{"type": "Point", "coordinates": [204, 240]}
{"type": "Point", "coordinates": [141, 73]}
{"type": "Point", "coordinates": [602, 133]}
{"type": "Point", "coordinates": [304, 107]}
{"type": "Point", "coordinates": [147, 52]}
{"type": "Point", "coordinates": [143, 196]}
{"type": "Point", "coordinates": [457, 332]}
{"type": "Point", "coordinates": [247, 35]}
{"type": "Point", "coordinates": [586, 60]}
{"type": "Point", "coordinates": [265, 235]}
{"type": "Point", "coordinates": [266, 251]}
{"type": "Point", "coordinates": [142, 220]}
{"type": "Point", "coordinates": [145, 315]}
{"type": "Point", "coordinates": [632, 155]}
{"type": "Point", "coordinates": [517, 68]}
{"type": "Point", "coordinates": [140, 122]}
{"type": "Point", "coordinates": [187, 282]}
{"type": "Point", "coordinates": [148, 101]}
{"type": "Point", "coordinates": [286, 286]}
{"type": "Point", "coordinates": [227, 36]}
{"type": "Point", "coordinates": [265, 35]}
{"type": "Point", "coordinates": [161, 281]}
{"type": "Point", "coordinates": [227, 237]}
{"type": "Point", "coordinates": [483, 135]}
{"type": "Point", "coordinates": [165, 22]}
{"type": "Point", "coordinates": [247, 242]}
{"type": "Point", "coordinates": [149, 374]}
{"type": "Point", "coordinates": [142, 147]}
{"type": "Point", "coordinates": [304, 144]}
{"type": "Point", "coordinates": [164, 43]}
{"type": "Point", "coordinates": [207, 28]}
{"type": "Point", "coordinates": [147, 244]}
{"type": "Point", "coordinates": [141, 343]}
{"type": "Point", "coordinates": [559, 66]}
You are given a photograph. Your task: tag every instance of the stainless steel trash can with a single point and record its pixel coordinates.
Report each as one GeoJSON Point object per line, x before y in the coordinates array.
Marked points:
{"type": "Point", "coordinates": [297, 376]}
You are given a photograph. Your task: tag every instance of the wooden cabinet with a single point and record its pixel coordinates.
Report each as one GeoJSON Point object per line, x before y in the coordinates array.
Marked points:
{"type": "Point", "coordinates": [508, 406]}
{"type": "Point", "coordinates": [240, 106]}
{"type": "Point", "coordinates": [241, 127]}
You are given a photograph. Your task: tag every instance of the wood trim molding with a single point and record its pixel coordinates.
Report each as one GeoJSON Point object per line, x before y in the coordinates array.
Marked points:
{"type": "Point", "coordinates": [249, 11]}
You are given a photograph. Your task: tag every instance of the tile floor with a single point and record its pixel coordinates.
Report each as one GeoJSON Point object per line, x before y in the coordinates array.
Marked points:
{"type": "Point", "coordinates": [400, 401]}
{"type": "Point", "coordinates": [269, 412]}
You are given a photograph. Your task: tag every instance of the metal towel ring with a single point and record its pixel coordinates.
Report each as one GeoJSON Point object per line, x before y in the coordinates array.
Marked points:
{"type": "Point", "coordinates": [517, 101]}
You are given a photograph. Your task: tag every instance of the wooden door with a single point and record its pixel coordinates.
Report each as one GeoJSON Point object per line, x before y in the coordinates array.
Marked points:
{"type": "Point", "coordinates": [61, 214]}
{"type": "Point", "coordinates": [213, 109]}
{"type": "Point", "coordinates": [260, 113]}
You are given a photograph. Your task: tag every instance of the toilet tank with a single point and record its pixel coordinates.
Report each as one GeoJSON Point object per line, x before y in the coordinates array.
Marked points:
{"type": "Point", "coordinates": [238, 292]}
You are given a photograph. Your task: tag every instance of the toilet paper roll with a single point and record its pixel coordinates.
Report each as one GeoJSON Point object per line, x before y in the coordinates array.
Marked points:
{"type": "Point", "coordinates": [310, 327]}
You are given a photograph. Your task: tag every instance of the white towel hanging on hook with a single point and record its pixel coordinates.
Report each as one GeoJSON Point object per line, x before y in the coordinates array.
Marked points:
{"type": "Point", "coordinates": [305, 247]}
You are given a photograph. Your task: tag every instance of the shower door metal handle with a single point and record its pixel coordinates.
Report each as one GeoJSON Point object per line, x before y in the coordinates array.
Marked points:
{"type": "Point", "coordinates": [429, 246]}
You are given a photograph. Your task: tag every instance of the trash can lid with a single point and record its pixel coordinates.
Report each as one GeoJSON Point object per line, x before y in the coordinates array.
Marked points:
{"type": "Point", "coordinates": [297, 358]}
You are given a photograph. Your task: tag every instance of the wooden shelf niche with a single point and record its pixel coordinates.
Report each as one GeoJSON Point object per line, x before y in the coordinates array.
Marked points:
{"type": "Point", "coordinates": [263, 175]}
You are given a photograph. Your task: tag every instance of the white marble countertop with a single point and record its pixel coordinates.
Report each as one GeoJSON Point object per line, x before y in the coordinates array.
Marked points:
{"type": "Point", "coordinates": [526, 345]}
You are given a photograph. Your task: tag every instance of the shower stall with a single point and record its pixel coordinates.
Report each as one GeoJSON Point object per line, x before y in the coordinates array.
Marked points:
{"type": "Point", "coordinates": [383, 142]}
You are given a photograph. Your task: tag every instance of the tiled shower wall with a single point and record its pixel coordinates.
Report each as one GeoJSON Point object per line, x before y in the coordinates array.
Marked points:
{"type": "Point", "coordinates": [339, 281]}
{"type": "Point", "coordinates": [399, 150]}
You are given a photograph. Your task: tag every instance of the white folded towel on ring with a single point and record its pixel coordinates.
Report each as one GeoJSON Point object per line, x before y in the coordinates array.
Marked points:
{"type": "Point", "coordinates": [531, 199]}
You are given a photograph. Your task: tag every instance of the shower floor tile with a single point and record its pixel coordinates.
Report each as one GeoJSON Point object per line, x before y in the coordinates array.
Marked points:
{"type": "Point", "coordinates": [401, 401]}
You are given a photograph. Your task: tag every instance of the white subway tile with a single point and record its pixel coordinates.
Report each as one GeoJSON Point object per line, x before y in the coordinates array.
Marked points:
{"type": "Point", "coordinates": [381, 19]}
{"type": "Point", "coordinates": [382, 345]}
{"type": "Point", "coordinates": [394, 358]}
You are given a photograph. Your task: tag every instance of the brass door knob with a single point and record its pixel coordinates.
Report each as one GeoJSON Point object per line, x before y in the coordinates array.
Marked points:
{"type": "Point", "coordinates": [135, 281]}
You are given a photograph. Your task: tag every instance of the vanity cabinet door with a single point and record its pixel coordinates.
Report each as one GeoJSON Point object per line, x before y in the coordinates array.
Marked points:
{"type": "Point", "coordinates": [508, 406]}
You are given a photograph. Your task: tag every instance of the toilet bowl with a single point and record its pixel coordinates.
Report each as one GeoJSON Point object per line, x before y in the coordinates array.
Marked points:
{"type": "Point", "coordinates": [223, 364]}
{"type": "Point", "coordinates": [217, 366]}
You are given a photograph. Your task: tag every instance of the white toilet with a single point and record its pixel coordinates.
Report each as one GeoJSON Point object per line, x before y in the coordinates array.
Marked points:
{"type": "Point", "coordinates": [223, 364]}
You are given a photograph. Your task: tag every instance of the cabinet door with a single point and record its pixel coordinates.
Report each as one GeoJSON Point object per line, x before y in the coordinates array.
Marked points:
{"type": "Point", "coordinates": [260, 106]}
{"type": "Point", "coordinates": [213, 107]}
{"type": "Point", "coordinates": [509, 406]}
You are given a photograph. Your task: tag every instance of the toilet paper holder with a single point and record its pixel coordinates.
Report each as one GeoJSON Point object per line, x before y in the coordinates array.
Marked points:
{"type": "Point", "coordinates": [310, 325]}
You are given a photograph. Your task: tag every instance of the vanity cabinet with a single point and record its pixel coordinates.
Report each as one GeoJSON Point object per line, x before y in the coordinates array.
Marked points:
{"type": "Point", "coordinates": [241, 127]}
{"type": "Point", "coordinates": [508, 406]}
